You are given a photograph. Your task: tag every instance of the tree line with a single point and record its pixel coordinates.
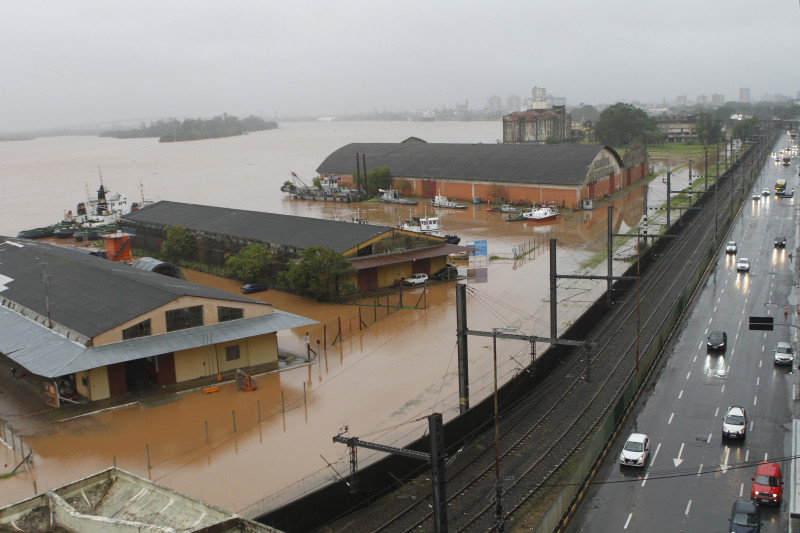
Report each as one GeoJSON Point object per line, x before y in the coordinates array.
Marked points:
{"type": "Point", "coordinates": [174, 130]}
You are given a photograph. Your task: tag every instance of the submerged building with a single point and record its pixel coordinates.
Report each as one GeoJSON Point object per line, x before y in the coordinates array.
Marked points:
{"type": "Point", "coordinates": [101, 328]}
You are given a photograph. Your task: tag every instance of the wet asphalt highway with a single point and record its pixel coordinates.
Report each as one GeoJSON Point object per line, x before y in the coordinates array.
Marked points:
{"type": "Point", "coordinates": [694, 475]}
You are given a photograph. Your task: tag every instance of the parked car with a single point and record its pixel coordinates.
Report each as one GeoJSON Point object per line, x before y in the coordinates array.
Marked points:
{"type": "Point", "coordinates": [446, 273]}
{"type": "Point", "coordinates": [745, 517]}
{"type": "Point", "coordinates": [731, 247]}
{"type": "Point", "coordinates": [734, 423]}
{"type": "Point", "coordinates": [635, 451]}
{"type": "Point", "coordinates": [767, 484]}
{"type": "Point", "coordinates": [783, 354]}
{"type": "Point", "coordinates": [416, 279]}
{"type": "Point", "coordinates": [253, 287]}
{"type": "Point", "coordinates": [743, 265]}
{"type": "Point", "coordinates": [780, 242]}
{"type": "Point", "coordinates": [717, 341]}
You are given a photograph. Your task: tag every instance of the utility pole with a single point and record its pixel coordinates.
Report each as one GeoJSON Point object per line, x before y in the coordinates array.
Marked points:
{"type": "Point", "coordinates": [463, 359]}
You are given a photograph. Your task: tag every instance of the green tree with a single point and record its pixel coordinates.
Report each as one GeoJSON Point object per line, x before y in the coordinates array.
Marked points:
{"type": "Point", "coordinates": [178, 244]}
{"type": "Point", "coordinates": [320, 273]}
{"type": "Point", "coordinates": [745, 128]}
{"type": "Point", "coordinates": [379, 178]}
{"type": "Point", "coordinates": [709, 128]}
{"type": "Point", "coordinates": [621, 123]}
{"type": "Point", "coordinates": [253, 264]}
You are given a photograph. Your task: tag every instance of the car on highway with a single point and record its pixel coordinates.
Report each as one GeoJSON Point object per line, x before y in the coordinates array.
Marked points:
{"type": "Point", "coordinates": [756, 196]}
{"type": "Point", "coordinates": [446, 273]}
{"type": "Point", "coordinates": [745, 517]}
{"type": "Point", "coordinates": [783, 354]}
{"type": "Point", "coordinates": [635, 451]}
{"type": "Point", "coordinates": [731, 247]}
{"type": "Point", "coordinates": [717, 341]}
{"type": "Point", "coordinates": [780, 242]}
{"type": "Point", "coordinates": [734, 423]}
{"type": "Point", "coordinates": [416, 279]}
{"type": "Point", "coordinates": [743, 265]}
{"type": "Point", "coordinates": [765, 191]}
{"type": "Point", "coordinates": [249, 288]}
{"type": "Point", "coordinates": [767, 484]}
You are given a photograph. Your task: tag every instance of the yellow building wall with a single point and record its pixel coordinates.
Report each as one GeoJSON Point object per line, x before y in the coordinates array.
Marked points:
{"type": "Point", "coordinates": [158, 321]}
{"type": "Point", "coordinates": [209, 360]}
{"type": "Point", "coordinates": [96, 386]}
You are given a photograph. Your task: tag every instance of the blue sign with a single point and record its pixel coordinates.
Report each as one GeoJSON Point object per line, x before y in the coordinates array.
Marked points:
{"type": "Point", "coordinates": [479, 245]}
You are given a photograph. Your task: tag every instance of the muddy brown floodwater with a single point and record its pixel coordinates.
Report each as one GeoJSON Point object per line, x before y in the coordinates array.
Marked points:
{"type": "Point", "coordinates": [250, 451]}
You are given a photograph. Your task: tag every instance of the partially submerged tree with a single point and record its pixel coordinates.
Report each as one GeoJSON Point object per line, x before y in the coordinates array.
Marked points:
{"type": "Point", "coordinates": [253, 263]}
{"type": "Point", "coordinates": [379, 178]}
{"type": "Point", "coordinates": [320, 273]}
{"type": "Point", "coordinates": [178, 244]}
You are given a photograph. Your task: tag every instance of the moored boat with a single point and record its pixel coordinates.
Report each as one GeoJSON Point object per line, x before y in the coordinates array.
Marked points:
{"type": "Point", "coordinates": [516, 218]}
{"type": "Point", "coordinates": [36, 233]}
{"type": "Point", "coordinates": [391, 196]}
{"type": "Point", "coordinates": [428, 225]}
{"type": "Point", "coordinates": [443, 201]}
{"type": "Point", "coordinates": [540, 214]}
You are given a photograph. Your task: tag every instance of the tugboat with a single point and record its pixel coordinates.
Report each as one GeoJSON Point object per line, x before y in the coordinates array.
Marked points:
{"type": "Point", "coordinates": [540, 214]}
{"type": "Point", "coordinates": [443, 201]}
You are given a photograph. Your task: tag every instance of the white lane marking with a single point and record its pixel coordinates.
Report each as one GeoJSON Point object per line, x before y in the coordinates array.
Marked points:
{"type": "Point", "coordinates": [716, 412]}
{"type": "Point", "coordinates": [766, 457]}
{"type": "Point", "coordinates": [762, 349]}
{"type": "Point", "coordinates": [760, 363]}
{"type": "Point", "coordinates": [723, 388]}
{"type": "Point", "coordinates": [645, 477]}
{"type": "Point", "coordinates": [688, 506]}
{"type": "Point", "coordinates": [746, 455]}
{"type": "Point", "coordinates": [715, 309]}
{"type": "Point", "coordinates": [700, 470]}
{"type": "Point", "coordinates": [678, 460]}
{"type": "Point", "coordinates": [655, 454]}
{"type": "Point", "coordinates": [741, 489]}
{"type": "Point", "coordinates": [670, 418]}
{"type": "Point", "coordinates": [758, 381]}
{"type": "Point", "coordinates": [695, 357]}
{"type": "Point", "coordinates": [689, 374]}
{"type": "Point", "coordinates": [628, 521]}
{"type": "Point", "coordinates": [755, 400]}
{"type": "Point", "coordinates": [709, 438]}
{"type": "Point", "coordinates": [680, 394]}
{"type": "Point", "coordinates": [701, 346]}
{"type": "Point", "coordinates": [751, 425]}
{"type": "Point", "coordinates": [724, 465]}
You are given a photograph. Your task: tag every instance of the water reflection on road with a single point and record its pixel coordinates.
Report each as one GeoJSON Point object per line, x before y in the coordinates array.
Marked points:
{"type": "Point", "coordinates": [234, 448]}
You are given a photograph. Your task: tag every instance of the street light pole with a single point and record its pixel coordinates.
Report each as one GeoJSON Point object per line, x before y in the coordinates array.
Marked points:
{"type": "Point", "coordinates": [498, 517]}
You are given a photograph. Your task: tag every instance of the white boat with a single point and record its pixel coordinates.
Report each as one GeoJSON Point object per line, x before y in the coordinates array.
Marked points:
{"type": "Point", "coordinates": [104, 210]}
{"type": "Point", "coordinates": [427, 225]}
{"type": "Point", "coordinates": [442, 201]}
{"type": "Point", "coordinates": [391, 196]}
{"type": "Point", "coordinates": [541, 213]}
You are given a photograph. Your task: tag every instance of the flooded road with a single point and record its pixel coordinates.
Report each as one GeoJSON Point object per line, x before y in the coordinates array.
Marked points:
{"type": "Point", "coordinates": [249, 451]}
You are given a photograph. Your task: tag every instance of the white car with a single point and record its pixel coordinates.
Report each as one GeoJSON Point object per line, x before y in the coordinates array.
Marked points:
{"type": "Point", "coordinates": [734, 423]}
{"type": "Point", "coordinates": [743, 265]}
{"type": "Point", "coordinates": [764, 192]}
{"type": "Point", "coordinates": [731, 247]}
{"type": "Point", "coordinates": [416, 279]}
{"type": "Point", "coordinates": [635, 451]}
{"type": "Point", "coordinates": [783, 354]}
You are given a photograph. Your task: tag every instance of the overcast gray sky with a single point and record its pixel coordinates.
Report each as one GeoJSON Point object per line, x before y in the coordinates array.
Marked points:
{"type": "Point", "coordinates": [72, 62]}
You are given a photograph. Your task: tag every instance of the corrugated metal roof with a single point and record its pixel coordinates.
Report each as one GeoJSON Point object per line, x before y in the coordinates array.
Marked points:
{"type": "Point", "coordinates": [409, 255]}
{"type": "Point", "coordinates": [44, 352]}
{"type": "Point", "coordinates": [288, 230]}
{"type": "Point", "coordinates": [517, 163]}
{"type": "Point", "coordinates": [85, 293]}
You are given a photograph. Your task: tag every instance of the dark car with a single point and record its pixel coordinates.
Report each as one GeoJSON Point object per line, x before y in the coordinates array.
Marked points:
{"type": "Point", "coordinates": [745, 517]}
{"type": "Point", "coordinates": [717, 341]}
{"type": "Point", "coordinates": [780, 242]}
{"type": "Point", "coordinates": [447, 273]}
{"type": "Point", "coordinates": [253, 287]}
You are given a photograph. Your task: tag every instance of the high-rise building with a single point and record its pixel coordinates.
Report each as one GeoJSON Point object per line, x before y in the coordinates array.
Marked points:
{"type": "Point", "coordinates": [744, 94]}
{"type": "Point", "coordinates": [702, 99]}
{"type": "Point", "coordinates": [494, 103]}
{"type": "Point", "coordinates": [717, 99]}
{"type": "Point", "coordinates": [514, 103]}
{"type": "Point", "coordinates": [538, 98]}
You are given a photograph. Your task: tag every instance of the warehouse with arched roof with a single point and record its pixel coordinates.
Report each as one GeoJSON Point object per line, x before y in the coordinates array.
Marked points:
{"type": "Point", "coordinates": [562, 175]}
